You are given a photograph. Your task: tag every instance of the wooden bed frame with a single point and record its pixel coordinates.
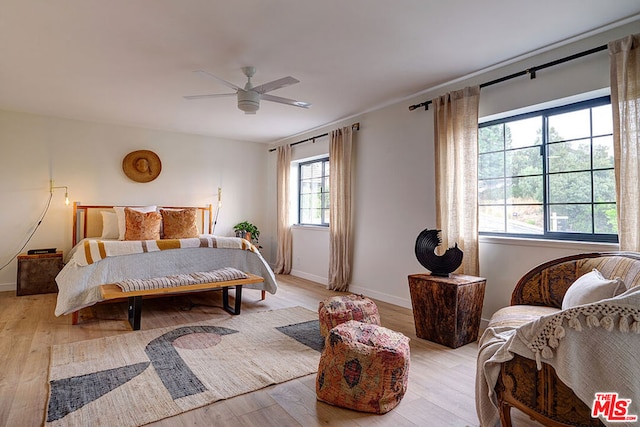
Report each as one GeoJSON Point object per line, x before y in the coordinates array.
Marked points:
{"type": "Point", "coordinates": [87, 222]}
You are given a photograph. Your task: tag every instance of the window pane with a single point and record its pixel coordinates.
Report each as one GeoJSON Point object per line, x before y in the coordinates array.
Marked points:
{"type": "Point", "coordinates": [523, 133]}
{"type": "Point", "coordinates": [605, 220]}
{"type": "Point", "coordinates": [491, 165]}
{"type": "Point", "coordinates": [325, 200]}
{"type": "Point", "coordinates": [491, 191]}
{"type": "Point", "coordinates": [305, 201]}
{"type": "Point", "coordinates": [570, 156]}
{"type": "Point", "coordinates": [604, 186]}
{"type": "Point", "coordinates": [305, 216]}
{"type": "Point", "coordinates": [524, 190]}
{"type": "Point", "coordinates": [305, 171]}
{"type": "Point", "coordinates": [524, 161]}
{"type": "Point", "coordinates": [570, 218]}
{"type": "Point", "coordinates": [570, 187]}
{"type": "Point", "coordinates": [573, 125]}
{"type": "Point", "coordinates": [603, 152]}
{"type": "Point", "coordinates": [525, 219]}
{"type": "Point", "coordinates": [325, 185]}
{"type": "Point", "coordinates": [316, 169]}
{"type": "Point", "coordinates": [491, 138]}
{"type": "Point", "coordinates": [325, 213]}
{"type": "Point", "coordinates": [602, 120]}
{"type": "Point", "coordinates": [491, 219]}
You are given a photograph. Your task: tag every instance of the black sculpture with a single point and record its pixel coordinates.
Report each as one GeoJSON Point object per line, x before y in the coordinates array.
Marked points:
{"type": "Point", "coordinates": [438, 265]}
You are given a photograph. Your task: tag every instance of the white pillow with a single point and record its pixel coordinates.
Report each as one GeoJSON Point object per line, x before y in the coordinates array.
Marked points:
{"type": "Point", "coordinates": [592, 287]}
{"type": "Point", "coordinates": [109, 225]}
{"type": "Point", "coordinates": [122, 225]}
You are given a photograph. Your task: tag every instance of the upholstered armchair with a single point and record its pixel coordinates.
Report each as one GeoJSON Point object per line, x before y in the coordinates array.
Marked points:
{"type": "Point", "coordinates": [539, 393]}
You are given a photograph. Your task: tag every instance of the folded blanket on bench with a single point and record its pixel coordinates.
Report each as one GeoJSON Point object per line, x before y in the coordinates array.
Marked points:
{"type": "Point", "coordinates": [220, 275]}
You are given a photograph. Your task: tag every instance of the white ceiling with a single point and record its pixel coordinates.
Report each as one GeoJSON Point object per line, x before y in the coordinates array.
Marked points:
{"type": "Point", "coordinates": [131, 61]}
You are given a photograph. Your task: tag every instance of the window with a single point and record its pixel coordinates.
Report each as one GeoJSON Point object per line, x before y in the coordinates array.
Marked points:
{"type": "Point", "coordinates": [549, 174]}
{"type": "Point", "coordinates": [314, 192]}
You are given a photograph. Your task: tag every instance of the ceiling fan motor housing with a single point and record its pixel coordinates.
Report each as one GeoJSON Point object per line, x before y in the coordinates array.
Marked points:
{"type": "Point", "coordinates": [248, 101]}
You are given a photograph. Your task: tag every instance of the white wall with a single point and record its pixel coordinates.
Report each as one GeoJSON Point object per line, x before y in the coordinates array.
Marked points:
{"type": "Point", "coordinates": [87, 157]}
{"type": "Point", "coordinates": [394, 181]}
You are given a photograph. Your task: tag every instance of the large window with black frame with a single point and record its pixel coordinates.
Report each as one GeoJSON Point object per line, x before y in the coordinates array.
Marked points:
{"type": "Point", "coordinates": [549, 174]}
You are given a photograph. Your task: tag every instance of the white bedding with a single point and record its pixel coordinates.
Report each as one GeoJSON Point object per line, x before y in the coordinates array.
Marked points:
{"type": "Point", "coordinates": [78, 285]}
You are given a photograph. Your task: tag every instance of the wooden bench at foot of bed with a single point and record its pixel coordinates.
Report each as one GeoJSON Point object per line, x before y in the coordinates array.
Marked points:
{"type": "Point", "coordinates": [113, 291]}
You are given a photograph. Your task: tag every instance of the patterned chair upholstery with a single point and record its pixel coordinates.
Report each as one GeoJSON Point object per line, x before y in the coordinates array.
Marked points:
{"type": "Point", "coordinates": [540, 393]}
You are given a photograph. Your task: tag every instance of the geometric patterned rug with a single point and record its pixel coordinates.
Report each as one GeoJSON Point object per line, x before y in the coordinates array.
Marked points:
{"type": "Point", "coordinates": [144, 376]}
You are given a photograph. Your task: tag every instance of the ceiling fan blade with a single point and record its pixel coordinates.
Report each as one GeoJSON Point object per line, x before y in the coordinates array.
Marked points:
{"type": "Point", "coordinates": [224, 82]}
{"type": "Point", "coordinates": [213, 95]}
{"type": "Point", "coordinates": [276, 84]}
{"type": "Point", "coordinates": [287, 101]}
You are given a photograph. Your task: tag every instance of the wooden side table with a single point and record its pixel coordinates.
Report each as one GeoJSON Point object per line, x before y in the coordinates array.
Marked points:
{"type": "Point", "coordinates": [37, 273]}
{"type": "Point", "coordinates": [447, 310]}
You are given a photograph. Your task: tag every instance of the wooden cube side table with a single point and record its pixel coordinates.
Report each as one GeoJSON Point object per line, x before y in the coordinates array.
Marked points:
{"type": "Point", "coordinates": [37, 273]}
{"type": "Point", "coordinates": [447, 310]}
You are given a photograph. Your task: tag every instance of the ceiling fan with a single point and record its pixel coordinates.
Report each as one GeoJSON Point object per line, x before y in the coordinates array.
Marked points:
{"type": "Point", "coordinates": [249, 97]}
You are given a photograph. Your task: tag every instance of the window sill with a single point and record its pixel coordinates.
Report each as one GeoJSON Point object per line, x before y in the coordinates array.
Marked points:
{"type": "Point", "coordinates": [558, 244]}
{"type": "Point", "coordinates": [310, 227]}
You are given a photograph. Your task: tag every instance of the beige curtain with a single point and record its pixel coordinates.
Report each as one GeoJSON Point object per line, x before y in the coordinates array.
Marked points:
{"type": "Point", "coordinates": [456, 157]}
{"type": "Point", "coordinates": [340, 229]}
{"type": "Point", "coordinates": [624, 58]}
{"type": "Point", "coordinates": [284, 254]}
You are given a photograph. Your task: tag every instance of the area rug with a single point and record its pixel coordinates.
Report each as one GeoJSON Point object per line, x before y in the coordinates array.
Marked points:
{"type": "Point", "coordinates": [144, 376]}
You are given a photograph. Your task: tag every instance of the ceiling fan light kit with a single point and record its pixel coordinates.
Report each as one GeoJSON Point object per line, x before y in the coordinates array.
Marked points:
{"type": "Point", "coordinates": [249, 97]}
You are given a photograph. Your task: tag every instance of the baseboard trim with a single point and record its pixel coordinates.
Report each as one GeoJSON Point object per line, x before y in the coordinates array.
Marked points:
{"type": "Point", "coordinates": [318, 279]}
{"type": "Point", "coordinates": [4, 287]}
{"type": "Point", "coordinates": [391, 299]}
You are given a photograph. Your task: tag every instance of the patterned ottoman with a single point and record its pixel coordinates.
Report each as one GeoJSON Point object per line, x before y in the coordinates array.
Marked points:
{"type": "Point", "coordinates": [363, 367]}
{"type": "Point", "coordinates": [336, 310]}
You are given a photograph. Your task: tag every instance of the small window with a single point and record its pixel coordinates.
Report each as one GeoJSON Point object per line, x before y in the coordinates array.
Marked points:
{"type": "Point", "coordinates": [314, 192]}
{"type": "Point", "coordinates": [549, 174]}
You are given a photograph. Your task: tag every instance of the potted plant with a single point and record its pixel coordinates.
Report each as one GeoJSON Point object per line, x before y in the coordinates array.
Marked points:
{"type": "Point", "coordinates": [248, 231]}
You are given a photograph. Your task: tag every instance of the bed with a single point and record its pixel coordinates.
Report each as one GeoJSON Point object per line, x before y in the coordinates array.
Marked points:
{"type": "Point", "coordinates": [101, 255]}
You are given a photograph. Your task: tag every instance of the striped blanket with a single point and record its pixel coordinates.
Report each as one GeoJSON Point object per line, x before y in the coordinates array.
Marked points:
{"type": "Point", "coordinates": [220, 275]}
{"type": "Point", "coordinates": [93, 251]}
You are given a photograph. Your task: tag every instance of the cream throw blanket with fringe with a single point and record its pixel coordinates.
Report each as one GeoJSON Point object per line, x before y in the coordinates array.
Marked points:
{"type": "Point", "coordinates": [593, 348]}
{"type": "Point", "coordinates": [95, 250]}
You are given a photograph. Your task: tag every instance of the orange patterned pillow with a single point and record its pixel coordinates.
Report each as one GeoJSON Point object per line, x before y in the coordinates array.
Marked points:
{"type": "Point", "coordinates": [142, 225]}
{"type": "Point", "coordinates": [179, 224]}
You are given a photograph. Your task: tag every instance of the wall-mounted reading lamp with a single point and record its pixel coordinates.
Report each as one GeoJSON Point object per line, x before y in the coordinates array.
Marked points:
{"type": "Point", "coordinates": [215, 220]}
{"type": "Point", "coordinates": [66, 191]}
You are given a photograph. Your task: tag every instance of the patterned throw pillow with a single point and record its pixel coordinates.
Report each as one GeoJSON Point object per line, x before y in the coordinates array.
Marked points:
{"type": "Point", "coordinates": [142, 225]}
{"type": "Point", "coordinates": [179, 223]}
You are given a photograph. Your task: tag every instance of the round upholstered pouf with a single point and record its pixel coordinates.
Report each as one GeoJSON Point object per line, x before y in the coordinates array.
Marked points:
{"type": "Point", "coordinates": [336, 310]}
{"type": "Point", "coordinates": [363, 367]}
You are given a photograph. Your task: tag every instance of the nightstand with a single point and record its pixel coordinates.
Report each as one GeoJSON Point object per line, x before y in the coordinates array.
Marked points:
{"type": "Point", "coordinates": [37, 273]}
{"type": "Point", "coordinates": [447, 310]}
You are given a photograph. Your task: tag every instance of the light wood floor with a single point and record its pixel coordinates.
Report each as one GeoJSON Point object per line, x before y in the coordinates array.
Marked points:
{"type": "Point", "coordinates": [441, 380]}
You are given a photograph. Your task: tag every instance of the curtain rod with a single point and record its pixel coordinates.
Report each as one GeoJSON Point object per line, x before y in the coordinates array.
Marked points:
{"type": "Point", "coordinates": [531, 71]}
{"type": "Point", "coordinates": [355, 126]}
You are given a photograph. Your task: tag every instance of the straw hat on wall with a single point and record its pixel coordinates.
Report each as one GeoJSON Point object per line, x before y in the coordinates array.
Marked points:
{"type": "Point", "coordinates": [142, 165]}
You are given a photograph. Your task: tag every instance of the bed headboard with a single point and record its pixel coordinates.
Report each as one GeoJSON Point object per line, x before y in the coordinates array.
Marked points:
{"type": "Point", "coordinates": [87, 219]}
